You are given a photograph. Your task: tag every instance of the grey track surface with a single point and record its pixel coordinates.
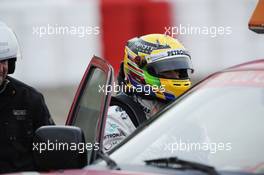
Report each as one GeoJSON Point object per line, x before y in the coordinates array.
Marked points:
{"type": "Point", "coordinates": [59, 101]}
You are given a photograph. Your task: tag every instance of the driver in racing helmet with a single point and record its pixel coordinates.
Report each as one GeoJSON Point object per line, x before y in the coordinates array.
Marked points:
{"type": "Point", "coordinates": [155, 71]}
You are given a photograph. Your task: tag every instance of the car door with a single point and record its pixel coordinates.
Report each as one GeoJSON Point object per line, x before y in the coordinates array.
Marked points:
{"type": "Point", "coordinates": [89, 108]}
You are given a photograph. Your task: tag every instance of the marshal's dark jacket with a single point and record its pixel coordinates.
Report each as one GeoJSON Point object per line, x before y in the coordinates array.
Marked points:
{"type": "Point", "coordinates": [22, 111]}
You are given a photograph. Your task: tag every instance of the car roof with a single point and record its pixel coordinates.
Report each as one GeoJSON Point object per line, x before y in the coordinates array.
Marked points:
{"type": "Point", "coordinates": [245, 74]}
{"type": "Point", "coordinates": [251, 65]}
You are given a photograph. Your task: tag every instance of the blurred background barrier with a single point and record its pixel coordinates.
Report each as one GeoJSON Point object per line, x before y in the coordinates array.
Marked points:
{"type": "Point", "coordinates": [58, 38]}
{"type": "Point", "coordinates": [122, 20]}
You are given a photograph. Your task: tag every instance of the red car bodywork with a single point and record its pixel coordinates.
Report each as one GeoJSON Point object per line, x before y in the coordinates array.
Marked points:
{"type": "Point", "coordinates": [247, 73]}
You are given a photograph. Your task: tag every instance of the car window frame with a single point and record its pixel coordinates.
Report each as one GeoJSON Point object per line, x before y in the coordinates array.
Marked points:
{"type": "Point", "coordinates": [199, 84]}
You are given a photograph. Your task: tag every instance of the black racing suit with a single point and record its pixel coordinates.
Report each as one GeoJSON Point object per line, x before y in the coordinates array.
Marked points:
{"type": "Point", "coordinates": [22, 111]}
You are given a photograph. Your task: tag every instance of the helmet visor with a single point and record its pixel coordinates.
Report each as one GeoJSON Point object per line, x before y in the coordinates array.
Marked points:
{"type": "Point", "coordinates": [170, 67]}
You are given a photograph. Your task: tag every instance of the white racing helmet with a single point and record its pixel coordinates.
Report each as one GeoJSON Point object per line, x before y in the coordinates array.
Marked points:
{"type": "Point", "coordinates": [9, 47]}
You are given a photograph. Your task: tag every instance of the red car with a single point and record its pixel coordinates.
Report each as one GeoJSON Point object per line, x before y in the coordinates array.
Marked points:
{"type": "Point", "coordinates": [216, 127]}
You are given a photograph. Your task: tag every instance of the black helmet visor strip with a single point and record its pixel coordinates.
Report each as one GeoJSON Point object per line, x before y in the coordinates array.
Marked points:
{"type": "Point", "coordinates": [180, 64]}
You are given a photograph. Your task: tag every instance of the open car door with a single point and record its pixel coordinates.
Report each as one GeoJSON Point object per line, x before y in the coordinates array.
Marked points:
{"type": "Point", "coordinates": [89, 108]}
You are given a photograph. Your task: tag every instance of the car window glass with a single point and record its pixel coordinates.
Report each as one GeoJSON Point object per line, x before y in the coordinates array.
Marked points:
{"type": "Point", "coordinates": [90, 103]}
